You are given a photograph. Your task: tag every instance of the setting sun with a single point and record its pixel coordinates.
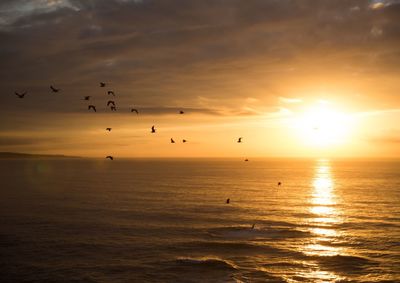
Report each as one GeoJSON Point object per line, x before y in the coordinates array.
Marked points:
{"type": "Point", "coordinates": [321, 125]}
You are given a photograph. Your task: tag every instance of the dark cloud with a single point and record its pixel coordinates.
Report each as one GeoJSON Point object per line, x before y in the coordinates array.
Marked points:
{"type": "Point", "coordinates": [25, 142]}
{"type": "Point", "coordinates": [36, 143]}
{"type": "Point", "coordinates": [175, 111]}
{"type": "Point", "coordinates": [148, 40]}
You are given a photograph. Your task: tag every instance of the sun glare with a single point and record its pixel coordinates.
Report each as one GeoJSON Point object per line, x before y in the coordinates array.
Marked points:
{"type": "Point", "coordinates": [323, 126]}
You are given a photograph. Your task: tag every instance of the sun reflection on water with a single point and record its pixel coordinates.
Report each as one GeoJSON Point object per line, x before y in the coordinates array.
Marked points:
{"type": "Point", "coordinates": [323, 205]}
{"type": "Point", "coordinates": [323, 199]}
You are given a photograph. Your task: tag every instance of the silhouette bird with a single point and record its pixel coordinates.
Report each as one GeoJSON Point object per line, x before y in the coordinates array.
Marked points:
{"type": "Point", "coordinates": [86, 97]}
{"type": "Point", "coordinates": [53, 89]}
{"type": "Point", "coordinates": [184, 140]}
{"type": "Point", "coordinates": [239, 140]}
{"type": "Point", "coordinates": [111, 92]}
{"type": "Point", "coordinates": [172, 140]}
{"type": "Point", "coordinates": [20, 95]}
{"type": "Point", "coordinates": [246, 159]}
{"type": "Point", "coordinates": [181, 112]}
{"type": "Point", "coordinates": [228, 200]}
{"type": "Point", "coordinates": [102, 84]}
{"type": "Point", "coordinates": [110, 157]}
{"type": "Point", "coordinates": [153, 129]}
{"type": "Point", "coordinates": [92, 107]}
{"type": "Point", "coordinates": [252, 227]}
{"type": "Point", "coordinates": [279, 184]}
{"type": "Point", "coordinates": [108, 129]}
{"type": "Point", "coordinates": [110, 102]}
{"type": "Point", "coordinates": [135, 110]}
{"type": "Point", "coordinates": [113, 108]}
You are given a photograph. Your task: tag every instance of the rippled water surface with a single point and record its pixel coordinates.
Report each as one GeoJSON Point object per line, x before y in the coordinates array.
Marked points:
{"type": "Point", "coordinates": [82, 220]}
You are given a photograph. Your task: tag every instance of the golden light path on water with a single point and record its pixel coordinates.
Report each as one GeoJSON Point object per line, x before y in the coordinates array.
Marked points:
{"type": "Point", "coordinates": [323, 201]}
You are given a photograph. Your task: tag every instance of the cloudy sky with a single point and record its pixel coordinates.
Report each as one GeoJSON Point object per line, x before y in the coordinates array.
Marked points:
{"type": "Point", "coordinates": [250, 69]}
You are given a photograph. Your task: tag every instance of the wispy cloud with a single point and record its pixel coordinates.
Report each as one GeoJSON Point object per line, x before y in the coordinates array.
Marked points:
{"type": "Point", "coordinates": [380, 4]}
{"type": "Point", "coordinates": [386, 139]}
{"type": "Point", "coordinates": [391, 136]}
{"type": "Point", "coordinates": [377, 112]}
{"type": "Point", "coordinates": [12, 11]}
{"type": "Point", "coordinates": [290, 100]}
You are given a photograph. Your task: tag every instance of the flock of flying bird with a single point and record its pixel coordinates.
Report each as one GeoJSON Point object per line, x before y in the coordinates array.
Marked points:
{"type": "Point", "coordinates": [113, 107]}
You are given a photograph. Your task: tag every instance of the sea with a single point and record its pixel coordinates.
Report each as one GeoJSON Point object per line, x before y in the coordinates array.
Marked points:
{"type": "Point", "coordinates": [168, 220]}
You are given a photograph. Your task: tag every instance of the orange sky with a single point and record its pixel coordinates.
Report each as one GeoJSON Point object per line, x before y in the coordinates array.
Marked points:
{"type": "Point", "coordinates": [293, 78]}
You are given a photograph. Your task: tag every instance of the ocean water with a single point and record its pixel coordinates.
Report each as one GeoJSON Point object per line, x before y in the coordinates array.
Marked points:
{"type": "Point", "coordinates": [149, 220]}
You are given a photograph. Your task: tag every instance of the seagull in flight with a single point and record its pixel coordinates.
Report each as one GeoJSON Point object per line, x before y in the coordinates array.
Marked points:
{"type": "Point", "coordinates": [86, 97]}
{"type": "Point", "coordinates": [108, 129]}
{"type": "Point", "coordinates": [153, 129]}
{"type": "Point", "coordinates": [181, 112]}
{"type": "Point", "coordinates": [92, 107]}
{"type": "Point", "coordinates": [110, 157]}
{"type": "Point", "coordinates": [228, 200]}
{"type": "Point", "coordinates": [184, 140]}
{"type": "Point", "coordinates": [239, 140]}
{"type": "Point", "coordinates": [172, 140]}
{"type": "Point", "coordinates": [279, 184]}
{"type": "Point", "coordinates": [113, 108]}
{"type": "Point", "coordinates": [111, 92]}
{"type": "Point", "coordinates": [102, 84]}
{"type": "Point", "coordinates": [135, 110]}
{"type": "Point", "coordinates": [20, 95]}
{"type": "Point", "coordinates": [246, 159]}
{"type": "Point", "coordinates": [110, 102]}
{"type": "Point", "coordinates": [53, 89]}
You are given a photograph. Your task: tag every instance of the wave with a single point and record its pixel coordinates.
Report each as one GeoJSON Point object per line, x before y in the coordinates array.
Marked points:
{"type": "Point", "coordinates": [366, 225]}
{"type": "Point", "coordinates": [232, 248]}
{"type": "Point", "coordinates": [248, 233]}
{"type": "Point", "coordinates": [233, 273]}
{"type": "Point", "coordinates": [344, 263]}
{"type": "Point", "coordinates": [207, 262]}
{"type": "Point", "coordinates": [225, 246]}
{"type": "Point", "coordinates": [196, 269]}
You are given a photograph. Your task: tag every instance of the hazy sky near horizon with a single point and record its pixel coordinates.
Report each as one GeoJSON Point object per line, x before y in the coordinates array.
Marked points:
{"type": "Point", "coordinates": [248, 69]}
